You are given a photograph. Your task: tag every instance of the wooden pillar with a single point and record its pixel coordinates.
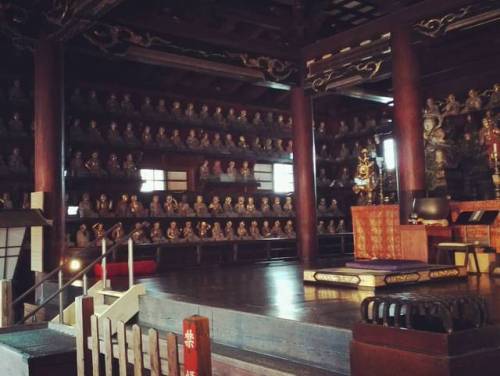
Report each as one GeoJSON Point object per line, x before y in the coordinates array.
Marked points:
{"type": "Point", "coordinates": [49, 144]}
{"type": "Point", "coordinates": [407, 120]}
{"type": "Point", "coordinates": [197, 352]}
{"type": "Point", "coordinates": [304, 175]}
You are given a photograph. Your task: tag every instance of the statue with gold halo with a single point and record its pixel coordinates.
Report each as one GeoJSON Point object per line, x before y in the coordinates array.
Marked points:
{"type": "Point", "coordinates": [365, 180]}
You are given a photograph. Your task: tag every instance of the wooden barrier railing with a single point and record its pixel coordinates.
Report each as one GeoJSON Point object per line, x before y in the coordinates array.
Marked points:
{"type": "Point", "coordinates": [5, 303]}
{"type": "Point", "coordinates": [131, 352]}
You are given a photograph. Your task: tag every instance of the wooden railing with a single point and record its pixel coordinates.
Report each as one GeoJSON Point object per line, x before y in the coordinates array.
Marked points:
{"type": "Point", "coordinates": [131, 352]}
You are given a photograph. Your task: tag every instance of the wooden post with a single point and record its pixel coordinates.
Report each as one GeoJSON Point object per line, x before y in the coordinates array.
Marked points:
{"type": "Point", "coordinates": [197, 354]}
{"type": "Point", "coordinates": [108, 346]}
{"type": "Point", "coordinates": [84, 309]}
{"type": "Point", "coordinates": [94, 324]}
{"type": "Point", "coordinates": [154, 353]}
{"type": "Point", "coordinates": [122, 347]}
{"type": "Point", "coordinates": [137, 349]}
{"type": "Point", "coordinates": [173, 355]}
{"type": "Point", "coordinates": [5, 303]}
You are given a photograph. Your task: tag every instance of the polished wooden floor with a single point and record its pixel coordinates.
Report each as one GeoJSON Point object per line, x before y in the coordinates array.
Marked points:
{"type": "Point", "coordinates": [277, 290]}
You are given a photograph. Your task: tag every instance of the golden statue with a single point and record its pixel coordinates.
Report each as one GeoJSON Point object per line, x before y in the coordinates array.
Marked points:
{"type": "Point", "coordinates": [365, 180]}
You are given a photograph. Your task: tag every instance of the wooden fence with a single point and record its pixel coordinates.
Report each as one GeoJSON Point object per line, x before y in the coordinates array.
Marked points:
{"type": "Point", "coordinates": [131, 352]}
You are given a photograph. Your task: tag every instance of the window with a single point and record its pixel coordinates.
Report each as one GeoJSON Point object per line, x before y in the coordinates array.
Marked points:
{"type": "Point", "coordinates": [390, 153]}
{"type": "Point", "coordinates": [282, 177]}
{"type": "Point", "coordinates": [160, 180]}
{"type": "Point", "coordinates": [263, 173]}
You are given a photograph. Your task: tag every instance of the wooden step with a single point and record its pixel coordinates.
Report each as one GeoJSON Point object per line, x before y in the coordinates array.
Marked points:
{"type": "Point", "coordinates": [116, 294]}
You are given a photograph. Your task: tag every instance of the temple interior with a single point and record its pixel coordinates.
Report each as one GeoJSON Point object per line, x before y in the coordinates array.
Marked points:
{"type": "Point", "coordinates": [250, 188]}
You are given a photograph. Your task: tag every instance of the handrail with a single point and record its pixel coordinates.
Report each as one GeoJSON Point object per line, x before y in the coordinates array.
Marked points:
{"type": "Point", "coordinates": [83, 272]}
{"type": "Point", "coordinates": [53, 272]}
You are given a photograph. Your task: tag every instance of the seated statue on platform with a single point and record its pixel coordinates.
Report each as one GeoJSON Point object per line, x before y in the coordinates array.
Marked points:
{"type": "Point", "coordinates": [139, 235]}
{"type": "Point", "coordinates": [218, 117]}
{"type": "Point", "coordinates": [242, 119]}
{"type": "Point", "coordinates": [322, 208]}
{"type": "Point", "coordinates": [257, 119]}
{"type": "Point", "coordinates": [113, 166]}
{"type": "Point", "coordinates": [231, 117]}
{"type": "Point", "coordinates": [190, 114]}
{"type": "Point", "coordinates": [473, 102]}
{"type": "Point", "coordinates": [176, 140]}
{"type": "Point", "coordinates": [268, 146]}
{"type": "Point", "coordinates": [173, 232]}
{"type": "Point", "coordinates": [266, 230]}
{"type": "Point", "coordinates": [276, 230]}
{"type": "Point", "coordinates": [341, 227]}
{"type": "Point", "coordinates": [288, 207]}
{"type": "Point", "coordinates": [357, 125]}
{"type": "Point", "coordinates": [16, 126]}
{"type": "Point", "coordinates": [322, 179]}
{"type": "Point", "coordinates": [170, 206]}
{"type": "Point", "coordinates": [289, 123]}
{"type": "Point", "coordinates": [162, 138]}
{"type": "Point", "coordinates": [129, 167]}
{"type": "Point", "coordinates": [155, 209]}
{"type": "Point", "coordinates": [245, 171]}
{"type": "Point", "coordinates": [205, 142]}
{"type": "Point", "coordinates": [215, 207]}
{"type": "Point", "coordinates": [344, 152]}
{"type": "Point", "coordinates": [76, 166]}
{"type": "Point", "coordinates": [331, 229]}
{"type": "Point", "coordinates": [278, 147]}
{"type": "Point", "coordinates": [217, 143]}
{"type": "Point", "coordinates": [203, 230]}
{"type": "Point", "coordinates": [104, 206]}
{"type": "Point", "coordinates": [241, 231]}
{"type": "Point", "coordinates": [334, 209]}
{"type": "Point", "coordinates": [6, 201]}
{"type": "Point", "coordinates": [254, 231]}
{"type": "Point", "coordinates": [184, 209]}
{"type": "Point", "coordinates": [157, 233]}
{"type": "Point", "coordinates": [114, 137]}
{"type": "Point", "coordinates": [452, 106]}
{"type": "Point", "coordinates": [93, 165]}
{"type": "Point", "coordinates": [269, 121]}
{"type": "Point", "coordinates": [356, 149]}
{"type": "Point", "coordinates": [256, 145]}
{"type": "Point", "coordinates": [242, 144]}
{"type": "Point", "coordinates": [136, 207]}
{"type": "Point", "coordinates": [129, 135]}
{"type": "Point", "coordinates": [217, 233]}
{"type": "Point", "coordinates": [176, 112]}
{"type": "Point", "coordinates": [147, 107]}
{"type": "Point", "coordinates": [85, 209]}
{"type": "Point", "coordinates": [16, 94]}
{"type": "Point", "coordinates": [126, 105]}
{"type": "Point", "coordinates": [228, 207]}
{"type": "Point", "coordinates": [343, 130]}
{"type": "Point", "coordinates": [94, 134]}
{"type": "Point", "coordinates": [231, 170]}
{"type": "Point", "coordinates": [277, 209]}
{"type": "Point", "coordinates": [229, 143]}
{"type": "Point", "coordinates": [265, 208]}
{"type": "Point", "coordinates": [494, 97]}
{"type": "Point", "coordinates": [188, 232]}
{"type": "Point", "coordinates": [345, 179]}
{"type": "Point", "coordinates": [321, 131]}
{"type": "Point", "coordinates": [147, 137]}
{"type": "Point", "coordinates": [320, 229]}
{"type": "Point", "coordinates": [118, 233]}
{"type": "Point", "coordinates": [204, 114]}
{"type": "Point", "coordinates": [229, 231]}
{"type": "Point", "coordinates": [161, 108]}
{"type": "Point", "coordinates": [289, 230]}
{"type": "Point", "coordinates": [281, 122]}
{"type": "Point", "coordinates": [93, 104]}
{"type": "Point", "coordinates": [323, 152]}
{"type": "Point", "coordinates": [123, 207]}
{"type": "Point", "coordinates": [204, 170]}
{"type": "Point", "coordinates": [200, 207]}
{"type": "Point", "coordinates": [431, 108]}
{"type": "Point", "coordinates": [250, 209]}
{"type": "Point", "coordinates": [192, 141]}
{"type": "Point", "coordinates": [289, 147]}
{"type": "Point", "coordinates": [82, 237]}
{"type": "Point", "coordinates": [371, 147]}
{"type": "Point", "coordinates": [112, 104]}
{"type": "Point", "coordinates": [239, 207]}
{"type": "Point", "coordinates": [370, 123]}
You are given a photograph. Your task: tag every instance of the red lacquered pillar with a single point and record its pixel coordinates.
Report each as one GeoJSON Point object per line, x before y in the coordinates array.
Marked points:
{"type": "Point", "coordinates": [407, 120]}
{"type": "Point", "coordinates": [304, 175]}
{"type": "Point", "coordinates": [49, 144]}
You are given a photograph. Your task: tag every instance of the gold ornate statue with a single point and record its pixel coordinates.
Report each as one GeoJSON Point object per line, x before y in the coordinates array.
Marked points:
{"type": "Point", "coordinates": [365, 180]}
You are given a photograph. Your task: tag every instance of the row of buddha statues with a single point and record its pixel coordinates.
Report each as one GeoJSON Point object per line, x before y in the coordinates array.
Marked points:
{"type": "Point", "coordinates": [202, 231]}
{"type": "Point", "coordinates": [131, 206]}
{"type": "Point", "coordinates": [81, 166]}
{"type": "Point", "coordinates": [13, 163]}
{"type": "Point", "coordinates": [343, 180]}
{"type": "Point", "coordinates": [126, 105]}
{"type": "Point", "coordinates": [191, 140]}
{"type": "Point", "coordinates": [15, 94]}
{"type": "Point", "coordinates": [334, 153]}
{"type": "Point", "coordinates": [14, 127]}
{"type": "Point", "coordinates": [7, 202]}
{"type": "Point", "coordinates": [231, 173]}
{"type": "Point", "coordinates": [475, 101]}
{"type": "Point", "coordinates": [331, 228]}
{"type": "Point", "coordinates": [353, 128]}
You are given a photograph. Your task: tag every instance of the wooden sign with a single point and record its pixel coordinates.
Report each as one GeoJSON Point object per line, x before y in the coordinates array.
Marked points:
{"type": "Point", "coordinates": [197, 354]}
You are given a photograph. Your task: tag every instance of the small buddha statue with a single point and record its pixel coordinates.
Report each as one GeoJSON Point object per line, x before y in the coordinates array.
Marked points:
{"type": "Point", "coordinates": [278, 146]}
{"type": "Point", "coordinates": [126, 105]}
{"type": "Point", "coordinates": [452, 106]}
{"type": "Point", "coordinates": [147, 137]}
{"type": "Point", "coordinates": [269, 121]}
{"type": "Point", "coordinates": [82, 237]}
{"type": "Point", "coordinates": [170, 206]}
{"type": "Point", "coordinates": [241, 231]}
{"type": "Point", "coordinates": [85, 208]}
{"type": "Point", "coordinates": [228, 207]}
{"type": "Point", "coordinates": [192, 141]}
{"type": "Point", "coordinates": [113, 166]}
{"type": "Point", "coordinates": [242, 143]}
{"type": "Point", "coordinates": [188, 232]}
{"type": "Point", "coordinates": [118, 233]}
{"type": "Point", "coordinates": [129, 167]}
{"type": "Point", "coordinates": [76, 166]}
{"type": "Point", "coordinates": [250, 209]}
{"type": "Point", "coordinates": [161, 108]}
{"type": "Point", "coordinates": [93, 104]}
{"type": "Point", "coordinates": [357, 125]}
{"type": "Point", "coordinates": [203, 230]}
{"type": "Point", "coordinates": [289, 123]}
{"type": "Point", "coordinates": [320, 229]}
{"type": "Point", "coordinates": [245, 171]}
{"type": "Point", "coordinates": [114, 136]}
{"type": "Point", "coordinates": [204, 114]}
{"type": "Point", "coordinates": [239, 207]}
{"type": "Point", "coordinates": [254, 231]}
{"type": "Point", "coordinates": [26, 204]}
{"type": "Point", "coordinates": [344, 152]}
{"type": "Point", "coordinates": [229, 231]}
{"type": "Point", "coordinates": [231, 169]}
{"type": "Point", "coordinates": [176, 140]}
{"type": "Point", "coordinates": [343, 129]}
{"type": "Point", "coordinates": [93, 165]}
{"type": "Point", "coordinates": [331, 229]}
{"type": "Point", "coordinates": [256, 145]}
{"type": "Point", "coordinates": [176, 112]}
{"type": "Point", "coordinates": [200, 207]}
{"type": "Point", "coordinates": [217, 143]}
{"type": "Point", "coordinates": [341, 228]}
{"type": "Point", "coordinates": [6, 201]}
{"type": "Point", "coordinates": [184, 209]}
{"type": "Point", "coordinates": [266, 230]}
{"type": "Point", "coordinates": [356, 150]}
{"type": "Point", "coordinates": [288, 206]}
{"type": "Point", "coordinates": [322, 208]}
{"type": "Point", "coordinates": [204, 170]}
{"type": "Point", "coordinates": [217, 233]}
{"type": "Point", "coordinates": [289, 230]}
{"type": "Point", "coordinates": [161, 138]}
{"type": "Point", "coordinates": [231, 117]}
{"type": "Point", "coordinates": [173, 232]}
{"type": "Point", "coordinates": [217, 169]}
{"type": "Point", "coordinates": [94, 134]}
{"type": "Point", "coordinates": [323, 152]}
{"type": "Point", "coordinates": [16, 126]}
{"type": "Point", "coordinates": [129, 135]}
{"type": "Point", "coordinates": [15, 162]}
{"type": "Point", "coordinates": [147, 107]}
{"type": "Point", "coordinates": [16, 94]}
{"type": "Point", "coordinates": [265, 207]}
{"type": "Point", "coordinates": [281, 121]}
{"type": "Point", "coordinates": [215, 207]}
{"type": "Point", "coordinates": [100, 234]}
{"type": "Point", "coordinates": [268, 146]}
{"type": "Point", "coordinates": [276, 230]}
{"type": "Point", "coordinates": [242, 119]}
{"type": "Point", "coordinates": [289, 147]}
{"type": "Point", "coordinates": [123, 207]}
{"type": "Point", "coordinates": [345, 178]}
{"type": "Point", "coordinates": [157, 233]}
{"type": "Point", "coordinates": [190, 114]}
{"type": "Point", "coordinates": [138, 235]}
{"type": "Point", "coordinates": [155, 208]}
{"type": "Point", "coordinates": [334, 209]}
{"type": "Point", "coordinates": [229, 143]}
{"type": "Point", "coordinates": [321, 131]}
{"type": "Point", "coordinates": [257, 120]}
{"type": "Point", "coordinates": [277, 209]}
{"type": "Point", "coordinates": [218, 117]}
{"type": "Point", "coordinates": [494, 97]}
{"type": "Point", "coordinates": [473, 102]}
{"type": "Point", "coordinates": [104, 206]}
{"type": "Point", "coordinates": [112, 104]}
{"type": "Point", "coordinates": [136, 208]}
{"type": "Point", "coordinates": [205, 142]}
{"type": "Point", "coordinates": [322, 179]}
{"type": "Point", "coordinates": [371, 147]}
